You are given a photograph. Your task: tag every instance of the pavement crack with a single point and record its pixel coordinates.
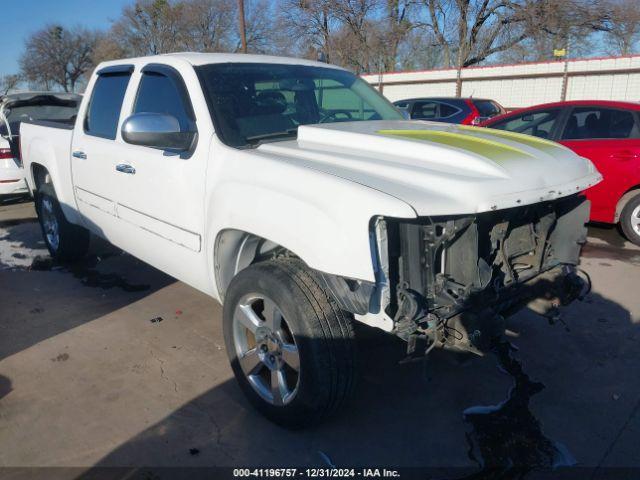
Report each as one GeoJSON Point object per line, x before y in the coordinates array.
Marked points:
{"type": "Point", "coordinates": [625, 425]}
{"type": "Point", "coordinates": [216, 427]}
{"type": "Point", "coordinates": [162, 374]}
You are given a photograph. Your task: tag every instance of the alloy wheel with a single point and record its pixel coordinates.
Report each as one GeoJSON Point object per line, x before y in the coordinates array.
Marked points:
{"type": "Point", "coordinates": [50, 223]}
{"type": "Point", "coordinates": [266, 349]}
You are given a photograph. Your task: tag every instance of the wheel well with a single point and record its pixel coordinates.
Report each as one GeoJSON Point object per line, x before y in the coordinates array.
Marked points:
{"type": "Point", "coordinates": [40, 175]}
{"type": "Point", "coordinates": [629, 194]}
{"type": "Point", "coordinates": [236, 249]}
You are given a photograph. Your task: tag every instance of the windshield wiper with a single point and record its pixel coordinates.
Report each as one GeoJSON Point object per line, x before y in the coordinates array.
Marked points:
{"type": "Point", "coordinates": [272, 135]}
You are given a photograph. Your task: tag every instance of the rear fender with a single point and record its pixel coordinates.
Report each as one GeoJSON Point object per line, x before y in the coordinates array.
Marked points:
{"type": "Point", "coordinates": [39, 151]}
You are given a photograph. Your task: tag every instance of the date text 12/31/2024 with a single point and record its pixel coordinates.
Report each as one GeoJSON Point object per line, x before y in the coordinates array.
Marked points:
{"type": "Point", "coordinates": [315, 473]}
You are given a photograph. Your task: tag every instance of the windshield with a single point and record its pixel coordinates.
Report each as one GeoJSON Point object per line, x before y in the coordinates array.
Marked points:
{"type": "Point", "coordinates": [257, 102]}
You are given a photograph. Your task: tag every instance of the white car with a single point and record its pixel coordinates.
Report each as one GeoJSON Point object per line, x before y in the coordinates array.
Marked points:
{"type": "Point", "coordinates": [299, 197]}
{"type": "Point", "coordinates": [27, 106]}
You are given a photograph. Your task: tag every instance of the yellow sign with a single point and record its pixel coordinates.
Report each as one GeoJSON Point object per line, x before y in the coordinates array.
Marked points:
{"type": "Point", "coordinates": [559, 52]}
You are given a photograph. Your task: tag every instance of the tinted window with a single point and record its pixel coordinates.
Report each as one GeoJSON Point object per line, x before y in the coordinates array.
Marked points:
{"type": "Point", "coordinates": [160, 94]}
{"type": "Point", "coordinates": [538, 124]}
{"type": "Point", "coordinates": [590, 122]}
{"type": "Point", "coordinates": [447, 110]}
{"type": "Point", "coordinates": [487, 108]}
{"type": "Point", "coordinates": [426, 110]}
{"type": "Point", "coordinates": [432, 110]}
{"type": "Point", "coordinates": [401, 104]}
{"type": "Point", "coordinates": [106, 102]}
{"type": "Point", "coordinates": [253, 102]}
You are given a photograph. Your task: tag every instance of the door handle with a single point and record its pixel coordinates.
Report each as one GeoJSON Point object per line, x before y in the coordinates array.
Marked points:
{"type": "Point", "coordinates": [124, 168]}
{"type": "Point", "coordinates": [80, 154]}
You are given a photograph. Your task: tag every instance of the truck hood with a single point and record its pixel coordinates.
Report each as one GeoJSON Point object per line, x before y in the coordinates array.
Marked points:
{"type": "Point", "coordinates": [440, 169]}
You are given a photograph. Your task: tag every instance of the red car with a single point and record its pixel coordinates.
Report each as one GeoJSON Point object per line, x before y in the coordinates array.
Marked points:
{"type": "Point", "coordinates": [605, 132]}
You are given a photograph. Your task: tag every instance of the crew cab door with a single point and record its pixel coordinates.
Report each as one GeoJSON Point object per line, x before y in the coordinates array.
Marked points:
{"type": "Point", "coordinates": [160, 193]}
{"type": "Point", "coordinates": [610, 138]}
{"type": "Point", "coordinates": [95, 150]}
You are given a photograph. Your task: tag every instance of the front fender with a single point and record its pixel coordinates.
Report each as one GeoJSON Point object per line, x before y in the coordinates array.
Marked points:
{"type": "Point", "coordinates": [323, 219]}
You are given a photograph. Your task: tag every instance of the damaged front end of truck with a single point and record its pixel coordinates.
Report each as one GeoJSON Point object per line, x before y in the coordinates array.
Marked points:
{"type": "Point", "coordinates": [451, 281]}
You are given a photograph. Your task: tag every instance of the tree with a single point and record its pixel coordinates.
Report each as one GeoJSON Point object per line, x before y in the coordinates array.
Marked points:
{"type": "Point", "coordinates": [469, 31]}
{"type": "Point", "coordinates": [151, 27]}
{"type": "Point", "coordinates": [419, 51]}
{"type": "Point", "coordinates": [357, 34]}
{"type": "Point", "coordinates": [312, 23]}
{"type": "Point", "coordinates": [57, 56]}
{"type": "Point", "coordinates": [210, 25]}
{"type": "Point", "coordinates": [8, 83]}
{"type": "Point", "coordinates": [568, 24]}
{"type": "Point", "coordinates": [624, 32]}
{"type": "Point", "coordinates": [261, 28]}
{"type": "Point", "coordinates": [395, 30]}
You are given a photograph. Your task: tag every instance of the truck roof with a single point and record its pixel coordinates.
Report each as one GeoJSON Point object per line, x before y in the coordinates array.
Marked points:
{"type": "Point", "coordinates": [197, 58]}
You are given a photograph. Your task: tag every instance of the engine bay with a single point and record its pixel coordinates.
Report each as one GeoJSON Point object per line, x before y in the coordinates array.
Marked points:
{"type": "Point", "coordinates": [452, 280]}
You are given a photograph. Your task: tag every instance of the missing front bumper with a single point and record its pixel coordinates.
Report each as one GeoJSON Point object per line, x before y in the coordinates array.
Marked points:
{"type": "Point", "coordinates": [453, 280]}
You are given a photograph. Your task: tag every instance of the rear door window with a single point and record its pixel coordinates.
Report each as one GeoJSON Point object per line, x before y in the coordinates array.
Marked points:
{"type": "Point", "coordinates": [105, 105]}
{"type": "Point", "coordinates": [603, 123]}
{"type": "Point", "coordinates": [425, 110]}
{"type": "Point", "coordinates": [447, 110]}
{"type": "Point", "coordinates": [539, 124]}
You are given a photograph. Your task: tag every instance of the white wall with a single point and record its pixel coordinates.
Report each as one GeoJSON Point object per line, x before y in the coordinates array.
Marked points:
{"type": "Point", "coordinates": [589, 79]}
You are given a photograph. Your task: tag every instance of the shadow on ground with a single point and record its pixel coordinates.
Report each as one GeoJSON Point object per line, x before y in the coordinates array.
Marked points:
{"type": "Point", "coordinates": [426, 413]}
{"type": "Point", "coordinates": [567, 392]}
{"type": "Point", "coordinates": [37, 307]}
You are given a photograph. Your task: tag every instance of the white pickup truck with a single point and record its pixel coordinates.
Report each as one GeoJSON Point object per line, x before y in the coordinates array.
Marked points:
{"type": "Point", "coordinates": [299, 197]}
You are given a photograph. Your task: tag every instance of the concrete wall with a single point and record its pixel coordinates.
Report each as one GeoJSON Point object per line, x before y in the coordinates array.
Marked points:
{"type": "Point", "coordinates": [515, 86]}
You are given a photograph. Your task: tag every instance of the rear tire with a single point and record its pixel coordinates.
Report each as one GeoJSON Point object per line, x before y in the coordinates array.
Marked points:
{"type": "Point", "coordinates": [65, 241]}
{"type": "Point", "coordinates": [630, 220]}
{"type": "Point", "coordinates": [309, 323]}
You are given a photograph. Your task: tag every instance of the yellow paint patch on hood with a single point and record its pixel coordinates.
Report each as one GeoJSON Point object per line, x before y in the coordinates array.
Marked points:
{"type": "Point", "coordinates": [535, 142]}
{"type": "Point", "coordinates": [491, 149]}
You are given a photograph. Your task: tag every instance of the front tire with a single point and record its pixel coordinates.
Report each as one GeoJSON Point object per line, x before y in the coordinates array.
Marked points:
{"type": "Point", "coordinates": [630, 220]}
{"type": "Point", "coordinates": [65, 241]}
{"type": "Point", "coordinates": [291, 348]}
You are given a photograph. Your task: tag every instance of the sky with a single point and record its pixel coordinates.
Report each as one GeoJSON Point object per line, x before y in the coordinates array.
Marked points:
{"type": "Point", "coordinates": [23, 17]}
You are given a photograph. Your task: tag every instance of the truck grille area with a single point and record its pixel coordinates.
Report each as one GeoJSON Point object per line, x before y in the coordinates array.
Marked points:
{"type": "Point", "coordinates": [441, 266]}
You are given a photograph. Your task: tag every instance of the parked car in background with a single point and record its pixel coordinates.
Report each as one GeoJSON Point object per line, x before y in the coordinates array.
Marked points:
{"type": "Point", "coordinates": [466, 111]}
{"type": "Point", "coordinates": [16, 108]}
{"type": "Point", "coordinates": [605, 132]}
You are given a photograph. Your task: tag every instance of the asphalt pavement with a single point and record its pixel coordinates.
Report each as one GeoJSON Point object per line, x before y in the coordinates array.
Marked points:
{"type": "Point", "coordinates": [113, 363]}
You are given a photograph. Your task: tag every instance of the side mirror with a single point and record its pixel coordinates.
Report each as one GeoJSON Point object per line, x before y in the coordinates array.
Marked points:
{"type": "Point", "coordinates": [157, 130]}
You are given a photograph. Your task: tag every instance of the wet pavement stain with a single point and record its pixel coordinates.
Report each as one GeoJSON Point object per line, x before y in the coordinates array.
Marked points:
{"type": "Point", "coordinates": [15, 222]}
{"type": "Point", "coordinates": [86, 272]}
{"type": "Point", "coordinates": [609, 234]}
{"type": "Point", "coordinates": [506, 440]}
{"type": "Point", "coordinates": [609, 252]}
